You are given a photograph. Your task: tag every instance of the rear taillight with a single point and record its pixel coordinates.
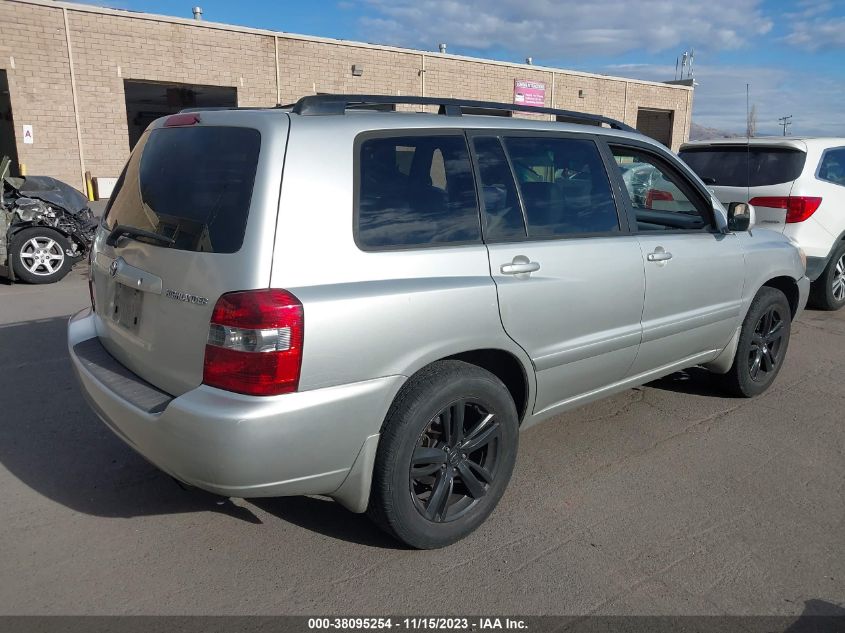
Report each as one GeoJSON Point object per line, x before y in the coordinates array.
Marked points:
{"type": "Point", "coordinates": [798, 208]}
{"type": "Point", "coordinates": [656, 194]}
{"type": "Point", "coordinates": [255, 343]}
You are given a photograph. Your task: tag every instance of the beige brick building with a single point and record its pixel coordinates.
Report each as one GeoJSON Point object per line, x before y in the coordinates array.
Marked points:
{"type": "Point", "coordinates": [89, 79]}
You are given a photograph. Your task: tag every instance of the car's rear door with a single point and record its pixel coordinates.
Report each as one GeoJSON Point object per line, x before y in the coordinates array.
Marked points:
{"type": "Point", "coordinates": [694, 272]}
{"type": "Point", "coordinates": [569, 275]}
{"type": "Point", "coordinates": [208, 186]}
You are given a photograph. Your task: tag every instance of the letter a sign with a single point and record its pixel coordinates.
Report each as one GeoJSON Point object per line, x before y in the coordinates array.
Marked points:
{"type": "Point", "coordinates": [27, 135]}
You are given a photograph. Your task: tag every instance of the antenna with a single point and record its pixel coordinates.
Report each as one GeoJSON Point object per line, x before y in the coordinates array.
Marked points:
{"type": "Point", "coordinates": [785, 122]}
{"type": "Point", "coordinates": [748, 143]}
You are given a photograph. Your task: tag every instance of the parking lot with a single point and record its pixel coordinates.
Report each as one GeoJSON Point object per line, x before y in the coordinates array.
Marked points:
{"type": "Point", "coordinates": [669, 499]}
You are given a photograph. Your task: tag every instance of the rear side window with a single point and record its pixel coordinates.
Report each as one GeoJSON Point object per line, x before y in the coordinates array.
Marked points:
{"type": "Point", "coordinates": [564, 185]}
{"type": "Point", "coordinates": [502, 213]}
{"type": "Point", "coordinates": [740, 166]}
{"type": "Point", "coordinates": [415, 191]}
{"type": "Point", "coordinates": [191, 184]}
{"type": "Point", "coordinates": [832, 166]}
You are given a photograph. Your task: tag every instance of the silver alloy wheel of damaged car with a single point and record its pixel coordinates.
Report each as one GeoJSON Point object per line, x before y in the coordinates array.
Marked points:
{"type": "Point", "coordinates": [40, 255]}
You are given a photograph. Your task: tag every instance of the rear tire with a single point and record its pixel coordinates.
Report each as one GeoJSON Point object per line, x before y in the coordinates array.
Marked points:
{"type": "Point", "coordinates": [762, 346]}
{"type": "Point", "coordinates": [445, 456]}
{"type": "Point", "coordinates": [39, 255]}
{"type": "Point", "coordinates": [828, 291]}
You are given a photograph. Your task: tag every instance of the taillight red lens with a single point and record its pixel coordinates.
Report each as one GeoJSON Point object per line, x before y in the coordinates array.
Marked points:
{"type": "Point", "coordinates": [798, 208]}
{"type": "Point", "coordinates": [255, 343]}
{"type": "Point", "coordinates": [656, 194]}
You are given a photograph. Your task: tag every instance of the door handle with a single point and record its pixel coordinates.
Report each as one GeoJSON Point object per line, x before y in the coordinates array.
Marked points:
{"type": "Point", "coordinates": [659, 255]}
{"type": "Point", "coordinates": [520, 265]}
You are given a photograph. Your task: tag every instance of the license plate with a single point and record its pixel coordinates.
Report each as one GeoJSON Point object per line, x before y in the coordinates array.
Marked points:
{"type": "Point", "coordinates": [127, 307]}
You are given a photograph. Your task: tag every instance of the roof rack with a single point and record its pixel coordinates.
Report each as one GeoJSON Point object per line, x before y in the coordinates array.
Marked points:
{"type": "Point", "coordinates": [321, 105]}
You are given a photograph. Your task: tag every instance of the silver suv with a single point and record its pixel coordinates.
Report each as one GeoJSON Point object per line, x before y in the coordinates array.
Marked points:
{"type": "Point", "coordinates": [333, 299]}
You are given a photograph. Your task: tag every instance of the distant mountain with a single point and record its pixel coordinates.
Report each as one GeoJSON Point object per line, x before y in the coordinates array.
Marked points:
{"type": "Point", "coordinates": [701, 133]}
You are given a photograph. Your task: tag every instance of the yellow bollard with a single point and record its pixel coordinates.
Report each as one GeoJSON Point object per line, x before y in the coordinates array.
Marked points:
{"type": "Point", "coordinates": [89, 186]}
{"type": "Point", "coordinates": [22, 169]}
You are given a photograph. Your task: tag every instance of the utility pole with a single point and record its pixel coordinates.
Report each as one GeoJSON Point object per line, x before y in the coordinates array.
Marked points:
{"type": "Point", "coordinates": [785, 122]}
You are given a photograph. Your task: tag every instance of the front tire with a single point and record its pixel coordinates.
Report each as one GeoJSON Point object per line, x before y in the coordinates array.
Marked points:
{"type": "Point", "coordinates": [828, 291]}
{"type": "Point", "coordinates": [39, 255]}
{"type": "Point", "coordinates": [763, 341]}
{"type": "Point", "coordinates": [446, 454]}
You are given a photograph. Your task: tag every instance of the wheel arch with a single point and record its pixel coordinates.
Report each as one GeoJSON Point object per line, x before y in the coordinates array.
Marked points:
{"type": "Point", "coordinates": [789, 287]}
{"type": "Point", "coordinates": [507, 368]}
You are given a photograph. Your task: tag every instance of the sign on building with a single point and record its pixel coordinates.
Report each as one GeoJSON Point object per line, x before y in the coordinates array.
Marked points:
{"type": "Point", "coordinates": [530, 93]}
{"type": "Point", "coordinates": [27, 134]}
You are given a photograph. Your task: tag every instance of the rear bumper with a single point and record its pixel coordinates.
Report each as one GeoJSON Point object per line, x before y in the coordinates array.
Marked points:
{"type": "Point", "coordinates": [803, 293]}
{"type": "Point", "coordinates": [244, 446]}
{"type": "Point", "coordinates": [815, 267]}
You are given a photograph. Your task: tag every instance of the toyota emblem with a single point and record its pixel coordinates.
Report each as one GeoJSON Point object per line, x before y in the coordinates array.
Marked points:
{"type": "Point", "coordinates": [113, 269]}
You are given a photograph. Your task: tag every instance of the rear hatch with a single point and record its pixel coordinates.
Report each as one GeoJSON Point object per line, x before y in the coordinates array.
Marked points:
{"type": "Point", "coordinates": [740, 172]}
{"type": "Point", "coordinates": [208, 186]}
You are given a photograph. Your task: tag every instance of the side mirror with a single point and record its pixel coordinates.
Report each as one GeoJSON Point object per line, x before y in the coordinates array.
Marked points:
{"type": "Point", "coordinates": [741, 216]}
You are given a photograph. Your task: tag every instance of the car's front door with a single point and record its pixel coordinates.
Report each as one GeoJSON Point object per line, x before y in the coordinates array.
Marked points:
{"type": "Point", "coordinates": [569, 275]}
{"type": "Point", "coordinates": [694, 272]}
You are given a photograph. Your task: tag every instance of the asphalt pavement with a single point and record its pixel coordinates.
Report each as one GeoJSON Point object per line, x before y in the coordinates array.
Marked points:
{"type": "Point", "coordinates": [667, 499]}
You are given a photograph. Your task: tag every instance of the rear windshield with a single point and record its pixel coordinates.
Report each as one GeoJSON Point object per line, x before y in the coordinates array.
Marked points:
{"type": "Point", "coordinates": [740, 166]}
{"type": "Point", "coordinates": [190, 184]}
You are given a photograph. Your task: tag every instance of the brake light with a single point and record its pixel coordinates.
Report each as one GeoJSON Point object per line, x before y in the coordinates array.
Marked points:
{"type": "Point", "coordinates": [798, 208]}
{"type": "Point", "coordinates": [255, 343]}
{"type": "Point", "coordinates": [656, 194]}
{"type": "Point", "coordinates": [178, 120]}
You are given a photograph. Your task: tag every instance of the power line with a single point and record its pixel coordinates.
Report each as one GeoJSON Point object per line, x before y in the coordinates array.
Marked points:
{"type": "Point", "coordinates": [785, 122]}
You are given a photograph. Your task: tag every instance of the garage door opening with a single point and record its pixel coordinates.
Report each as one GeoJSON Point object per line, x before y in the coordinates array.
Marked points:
{"type": "Point", "coordinates": [657, 124]}
{"type": "Point", "coordinates": [146, 101]}
{"type": "Point", "coordinates": [7, 126]}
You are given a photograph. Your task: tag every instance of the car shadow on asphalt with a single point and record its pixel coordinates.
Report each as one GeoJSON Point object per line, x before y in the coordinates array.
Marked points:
{"type": "Point", "coordinates": [693, 381]}
{"type": "Point", "coordinates": [819, 616]}
{"type": "Point", "coordinates": [328, 518]}
{"type": "Point", "coordinates": [53, 442]}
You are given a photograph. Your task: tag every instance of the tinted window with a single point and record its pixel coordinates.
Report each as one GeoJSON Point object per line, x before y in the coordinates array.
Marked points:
{"type": "Point", "coordinates": [502, 213]}
{"type": "Point", "coordinates": [739, 166]}
{"type": "Point", "coordinates": [662, 200]}
{"type": "Point", "coordinates": [191, 184]}
{"type": "Point", "coordinates": [564, 186]}
{"type": "Point", "coordinates": [832, 167]}
{"type": "Point", "coordinates": [416, 191]}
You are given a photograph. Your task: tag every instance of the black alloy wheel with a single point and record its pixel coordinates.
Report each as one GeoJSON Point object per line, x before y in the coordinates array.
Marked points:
{"type": "Point", "coordinates": [764, 354]}
{"type": "Point", "coordinates": [455, 461]}
{"type": "Point", "coordinates": [446, 452]}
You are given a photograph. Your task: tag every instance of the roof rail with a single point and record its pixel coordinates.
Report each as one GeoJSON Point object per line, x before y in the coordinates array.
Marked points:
{"type": "Point", "coordinates": [320, 105]}
{"type": "Point", "coordinates": [223, 108]}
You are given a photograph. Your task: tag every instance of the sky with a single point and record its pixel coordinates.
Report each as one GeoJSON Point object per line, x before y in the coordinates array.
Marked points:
{"type": "Point", "coordinates": [791, 53]}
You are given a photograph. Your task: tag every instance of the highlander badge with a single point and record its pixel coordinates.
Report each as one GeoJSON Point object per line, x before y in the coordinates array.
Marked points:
{"type": "Point", "coordinates": [178, 295]}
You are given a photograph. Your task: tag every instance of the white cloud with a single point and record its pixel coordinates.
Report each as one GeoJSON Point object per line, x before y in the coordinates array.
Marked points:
{"type": "Point", "coordinates": [554, 28]}
{"type": "Point", "coordinates": [818, 34]}
{"type": "Point", "coordinates": [719, 100]}
{"type": "Point", "coordinates": [813, 28]}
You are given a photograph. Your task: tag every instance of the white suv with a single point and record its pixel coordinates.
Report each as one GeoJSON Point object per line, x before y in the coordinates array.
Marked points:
{"type": "Point", "coordinates": [797, 186]}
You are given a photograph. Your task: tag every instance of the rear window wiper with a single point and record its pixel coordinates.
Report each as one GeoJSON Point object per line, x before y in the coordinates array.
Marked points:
{"type": "Point", "coordinates": [122, 230]}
